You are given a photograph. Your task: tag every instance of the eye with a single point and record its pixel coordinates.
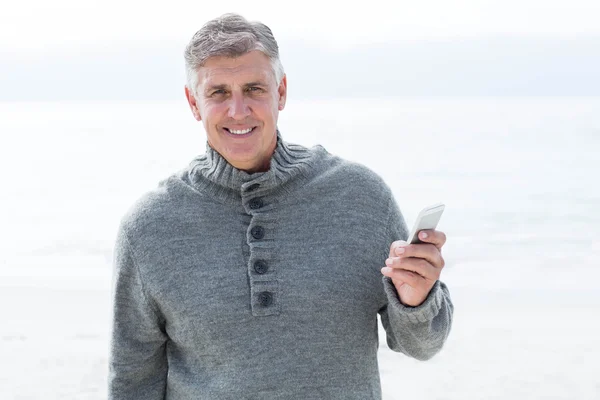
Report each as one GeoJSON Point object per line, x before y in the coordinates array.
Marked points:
{"type": "Point", "coordinates": [218, 92]}
{"type": "Point", "coordinates": [255, 89]}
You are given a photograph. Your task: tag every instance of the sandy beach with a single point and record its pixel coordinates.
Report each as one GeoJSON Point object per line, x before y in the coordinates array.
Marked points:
{"type": "Point", "coordinates": [518, 177]}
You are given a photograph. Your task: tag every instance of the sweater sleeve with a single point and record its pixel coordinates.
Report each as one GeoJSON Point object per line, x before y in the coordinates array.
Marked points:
{"type": "Point", "coordinates": [137, 360]}
{"type": "Point", "coordinates": [418, 332]}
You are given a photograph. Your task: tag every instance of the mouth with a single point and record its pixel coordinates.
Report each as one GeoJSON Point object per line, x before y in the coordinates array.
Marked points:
{"type": "Point", "coordinates": [237, 132]}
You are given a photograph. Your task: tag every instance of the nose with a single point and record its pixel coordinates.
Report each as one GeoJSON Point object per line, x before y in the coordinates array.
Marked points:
{"type": "Point", "coordinates": [238, 109]}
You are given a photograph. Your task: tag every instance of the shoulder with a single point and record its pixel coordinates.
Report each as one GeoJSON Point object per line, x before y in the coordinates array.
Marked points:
{"type": "Point", "coordinates": [350, 187]}
{"type": "Point", "coordinates": [354, 177]}
{"type": "Point", "coordinates": [153, 208]}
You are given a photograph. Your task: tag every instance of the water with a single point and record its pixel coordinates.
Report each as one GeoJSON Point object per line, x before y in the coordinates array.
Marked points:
{"type": "Point", "coordinates": [519, 177]}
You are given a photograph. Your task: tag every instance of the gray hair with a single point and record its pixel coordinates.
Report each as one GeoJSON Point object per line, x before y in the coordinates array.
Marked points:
{"type": "Point", "coordinates": [229, 35]}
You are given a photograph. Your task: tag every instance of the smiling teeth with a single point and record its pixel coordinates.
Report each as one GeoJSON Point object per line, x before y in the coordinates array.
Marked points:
{"type": "Point", "coordinates": [240, 132]}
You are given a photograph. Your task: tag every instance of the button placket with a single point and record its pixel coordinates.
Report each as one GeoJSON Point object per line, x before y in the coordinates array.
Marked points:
{"type": "Point", "coordinates": [264, 292]}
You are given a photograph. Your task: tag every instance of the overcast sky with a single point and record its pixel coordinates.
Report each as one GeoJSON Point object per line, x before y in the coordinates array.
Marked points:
{"type": "Point", "coordinates": [42, 24]}
{"type": "Point", "coordinates": [53, 47]}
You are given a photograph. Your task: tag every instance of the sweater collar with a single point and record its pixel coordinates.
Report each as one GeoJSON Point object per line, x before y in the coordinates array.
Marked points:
{"type": "Point", "coordinates": [291, 165]}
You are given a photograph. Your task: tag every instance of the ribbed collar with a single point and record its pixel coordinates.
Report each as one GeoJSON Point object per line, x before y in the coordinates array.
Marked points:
{"type": "Point", "coordinates": [291, 166]}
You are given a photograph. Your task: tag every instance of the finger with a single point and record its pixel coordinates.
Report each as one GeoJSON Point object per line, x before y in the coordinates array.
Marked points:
{"type": "Point", "coordinates": [410, 278]}
{"type": "Point", "coordinates": [417, 265]}
{"type": "Point", "coordinates": [396, 245]}
{"type": "Point", "coordinates": [421, 250]}
{"type": "Point", "coordinates": [437, 238]}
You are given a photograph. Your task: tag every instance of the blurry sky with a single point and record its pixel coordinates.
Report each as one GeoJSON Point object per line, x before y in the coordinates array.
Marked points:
{"type": "Point", "coordinates": [42, 25]}
{"type": "Point", "coordinates": [536, 42]}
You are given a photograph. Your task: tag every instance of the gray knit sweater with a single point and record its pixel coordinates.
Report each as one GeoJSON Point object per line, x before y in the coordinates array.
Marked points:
{"type": "Point", "coordinates": [229, 285]}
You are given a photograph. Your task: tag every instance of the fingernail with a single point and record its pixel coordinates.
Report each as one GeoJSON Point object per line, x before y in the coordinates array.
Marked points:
{"type": "Point", "coordinates": [424, 235]}
{"type": "Point", "coordinates": [385, 270]}
{"type": "Point", "coordinates": [388, 261]}
{"type": "Point", "coordinates": [399, 250]}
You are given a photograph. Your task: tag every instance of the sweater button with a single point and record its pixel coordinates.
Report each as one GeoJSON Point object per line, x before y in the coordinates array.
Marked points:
{"type": "Point", "coordinates": [265, 299]}
{"type": "Point", "coordinates": [260, 267]}
{"type": "Point", "coordinates": [252, 187]}
{"type": "Point", "coordinates": [256, 203]}
{"type": "Point", "coordinates": [258, 232]}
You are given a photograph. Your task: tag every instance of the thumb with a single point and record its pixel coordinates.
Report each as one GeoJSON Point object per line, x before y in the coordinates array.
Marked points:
{"type": "Point", "coordinates": [395, 245]}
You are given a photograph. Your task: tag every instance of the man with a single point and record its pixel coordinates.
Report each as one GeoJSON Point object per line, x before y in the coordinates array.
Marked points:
{"type": "Point", "coordinates": [258, 271]}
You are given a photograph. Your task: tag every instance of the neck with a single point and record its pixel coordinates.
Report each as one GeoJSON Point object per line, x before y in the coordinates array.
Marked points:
{"type": "Point", "coordinates": [289, 166]}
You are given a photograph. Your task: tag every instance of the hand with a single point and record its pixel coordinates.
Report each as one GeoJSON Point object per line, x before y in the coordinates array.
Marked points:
{"type": "Point", "coordinates": [414, 268]}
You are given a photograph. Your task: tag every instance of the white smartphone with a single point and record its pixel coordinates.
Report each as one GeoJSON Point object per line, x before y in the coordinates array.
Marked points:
{"type": "Point", "coordinates": [428, 219]}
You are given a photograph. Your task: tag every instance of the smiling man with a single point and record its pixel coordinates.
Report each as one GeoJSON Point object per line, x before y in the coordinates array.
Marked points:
{"type": "Point", "coordinates": [258, 271]}
{"type": "Point", "coordinates": [239, 100]}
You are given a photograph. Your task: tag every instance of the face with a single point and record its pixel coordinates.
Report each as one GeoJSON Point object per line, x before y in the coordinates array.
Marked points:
{"type": "Point", "coordinates": [238, 101]}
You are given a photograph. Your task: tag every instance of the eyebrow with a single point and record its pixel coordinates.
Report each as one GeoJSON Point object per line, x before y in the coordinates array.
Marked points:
{"type": "Point", "coordinates": [255, 83]}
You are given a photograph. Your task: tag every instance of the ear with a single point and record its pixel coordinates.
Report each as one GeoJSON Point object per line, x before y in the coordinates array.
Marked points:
{"type": "Point", "coordinates": [282, 90]}
{"type": "Point", "coordinates": [193, 104]}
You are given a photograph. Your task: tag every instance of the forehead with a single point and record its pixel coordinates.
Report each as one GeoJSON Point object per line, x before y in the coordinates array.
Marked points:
{"type": "Point", "coordinates": [227, 70]}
